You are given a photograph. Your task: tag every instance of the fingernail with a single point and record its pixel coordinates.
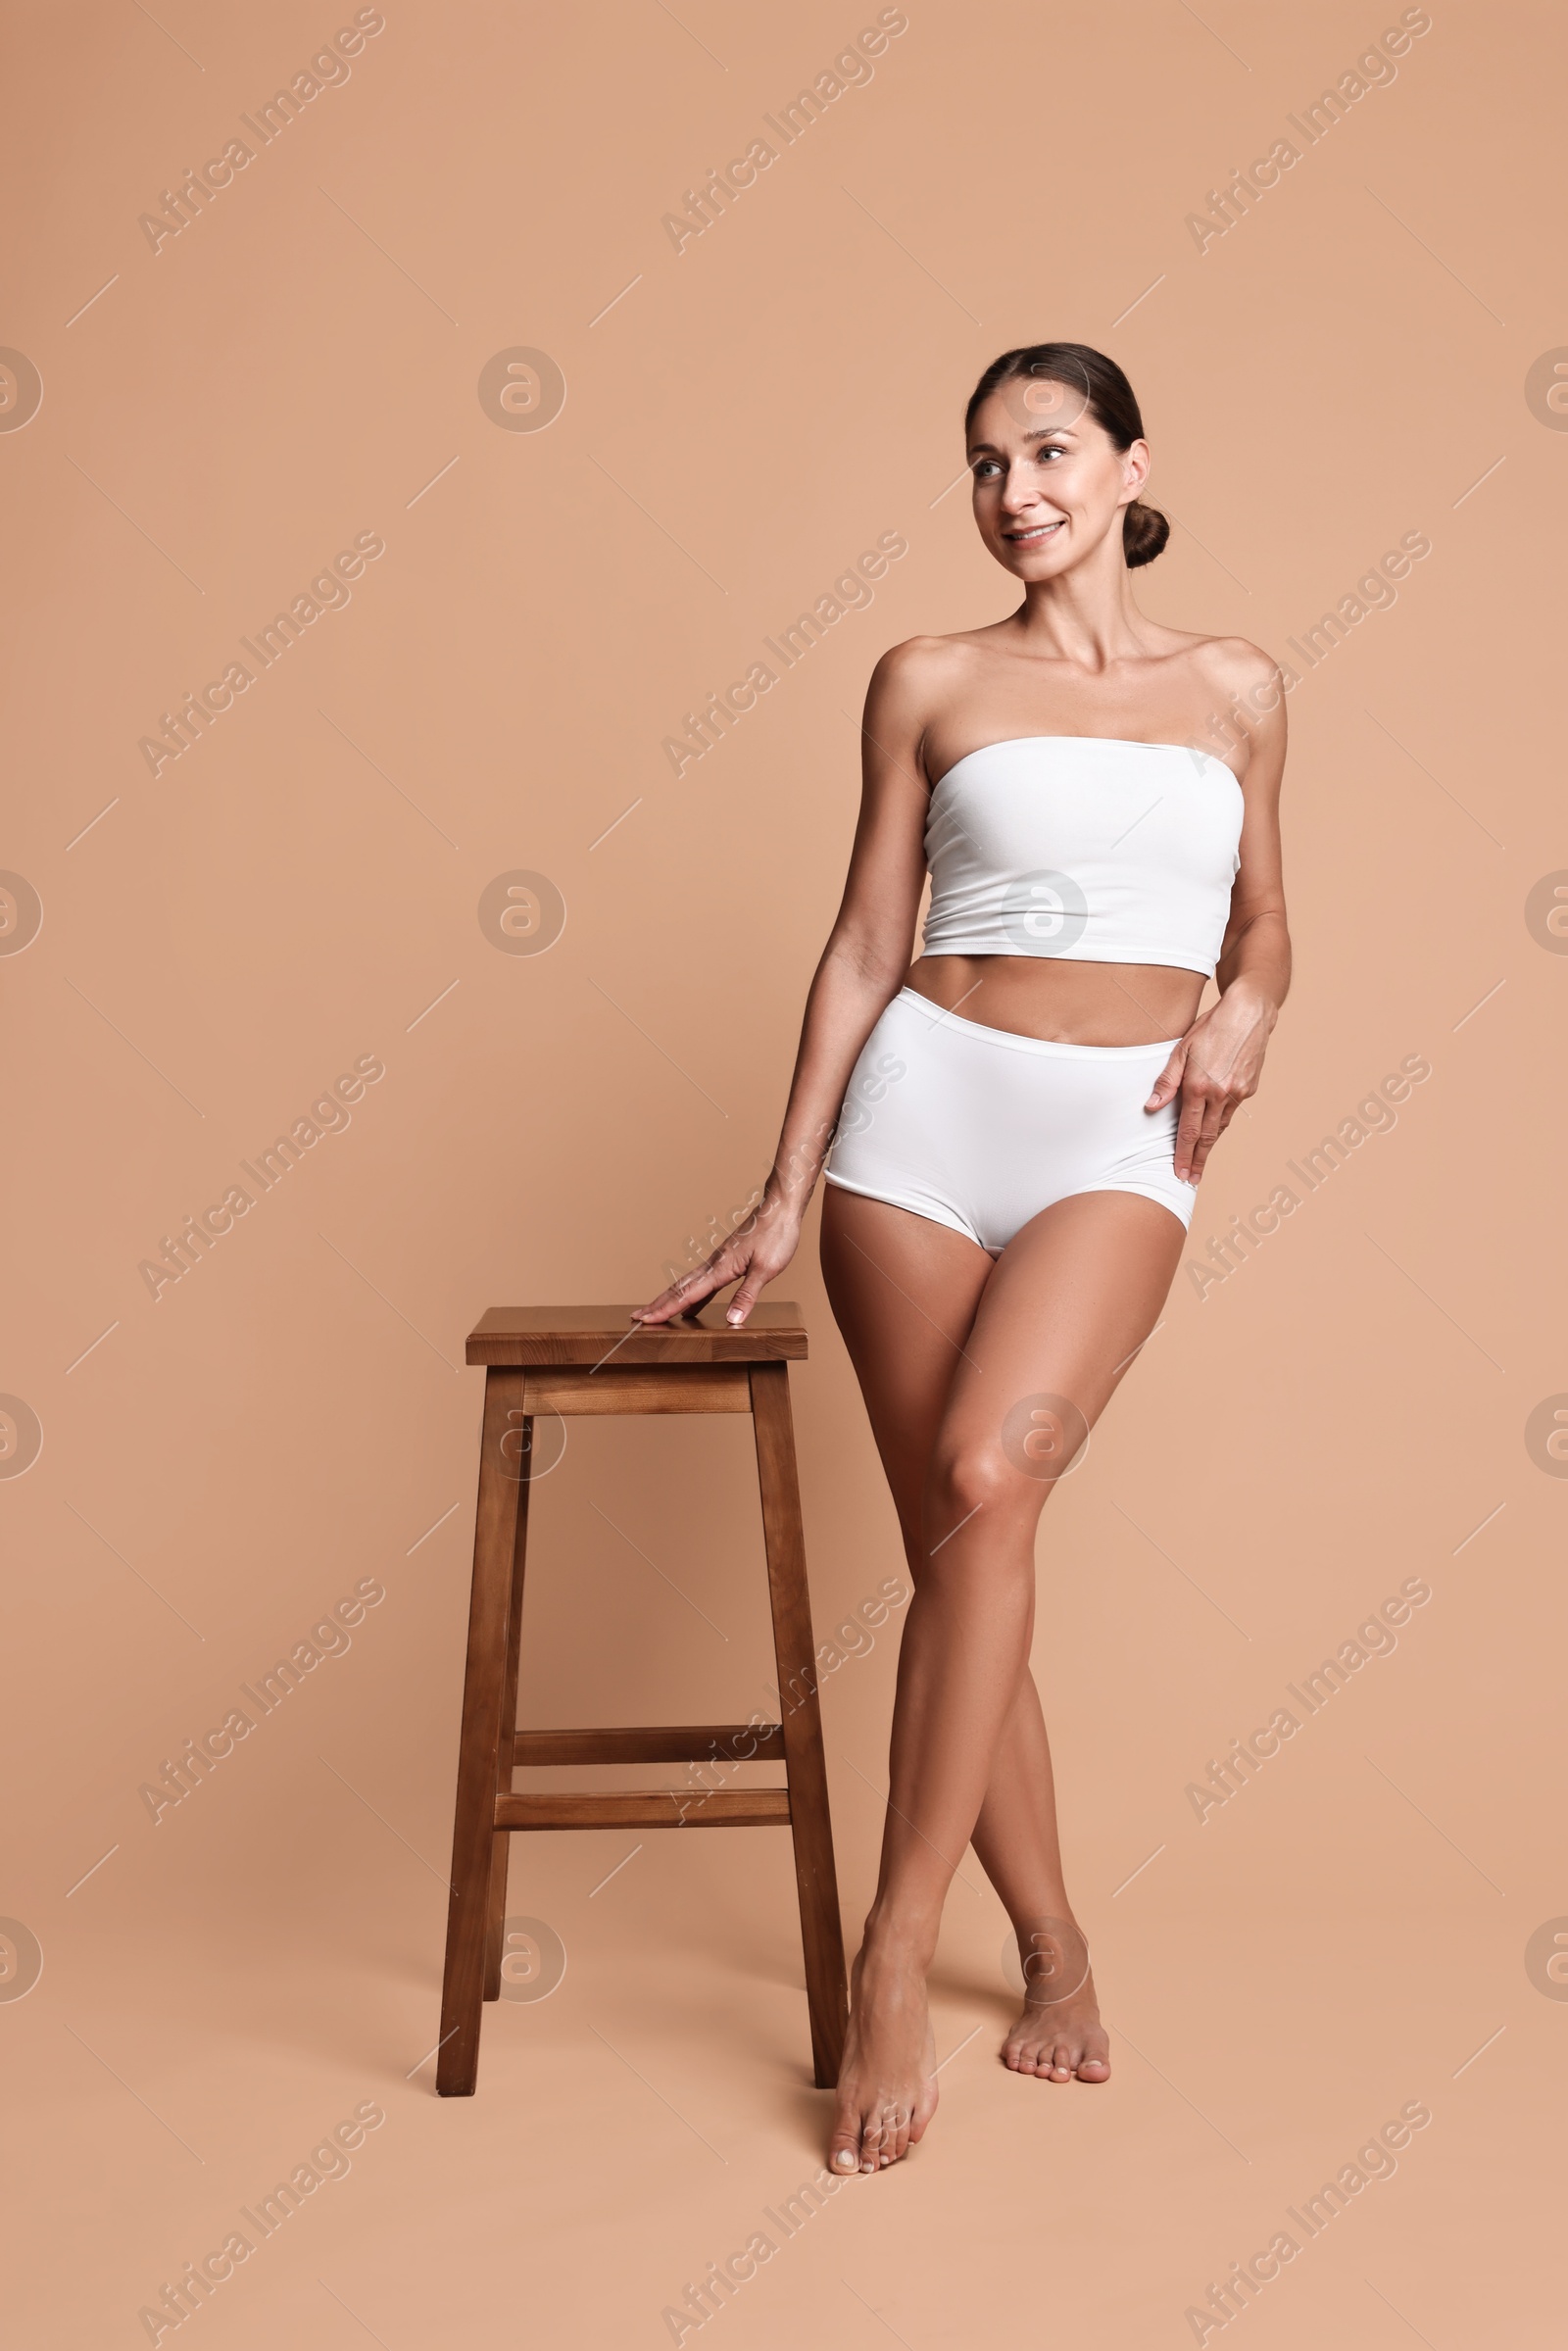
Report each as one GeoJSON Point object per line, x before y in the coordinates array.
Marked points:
{"type": "Point", "coordinates": [734, 1314]}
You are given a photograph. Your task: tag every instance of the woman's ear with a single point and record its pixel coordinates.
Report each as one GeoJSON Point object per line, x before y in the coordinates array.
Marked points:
{"type": "Point", "coordinates": [1134, 469]}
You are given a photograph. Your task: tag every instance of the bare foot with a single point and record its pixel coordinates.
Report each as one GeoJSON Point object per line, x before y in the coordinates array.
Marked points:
{"type": "Point", "coordinates": [886, 2089]}
{"type": "Point", "coordinates": [1058, 2035]}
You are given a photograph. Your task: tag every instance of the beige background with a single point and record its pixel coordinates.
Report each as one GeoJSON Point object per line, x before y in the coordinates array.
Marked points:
{"type": "Point", "coordinates": [218, 1468]}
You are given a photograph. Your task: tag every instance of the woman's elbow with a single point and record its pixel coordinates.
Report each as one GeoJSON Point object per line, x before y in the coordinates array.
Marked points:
{"type": "Point", "coordinates": [870, 960]}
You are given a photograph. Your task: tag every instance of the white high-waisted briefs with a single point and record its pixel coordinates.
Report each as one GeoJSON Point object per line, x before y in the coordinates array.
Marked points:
{"type": "Point", "coordinates": [979, 1129]}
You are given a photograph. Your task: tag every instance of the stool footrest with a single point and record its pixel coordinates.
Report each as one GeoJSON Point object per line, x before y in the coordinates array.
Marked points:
{"type": "Point", "coordinates": [652, 1808]}
{"type": "Point", "coordinates": [659, 1743]}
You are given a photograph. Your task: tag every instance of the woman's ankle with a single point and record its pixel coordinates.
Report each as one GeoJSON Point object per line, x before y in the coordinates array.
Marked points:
{"type": "Point", "coordinates": [892, 1934]}
{"type": "Point", "coordinates": [1053, 1953]}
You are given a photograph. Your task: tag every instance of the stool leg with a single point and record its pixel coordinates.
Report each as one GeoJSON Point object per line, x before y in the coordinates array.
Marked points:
{"type": "Point", "coordinates": [500, 1845]}
{"type": "Point", "coordinates": [806, 1769]}
{"type": "Point", "coordinates": [497, 1531]}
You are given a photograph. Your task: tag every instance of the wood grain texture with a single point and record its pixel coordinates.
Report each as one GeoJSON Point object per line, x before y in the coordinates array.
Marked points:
{"type": "Point", "coordinates": [541, 1335]}
{"type": "Point", "coordinates": [805, 1765]}
{"type": "Point", "coordinates": [501, 1846]}
{"type": "Point", "coordinates": [640, 1388]}
{"type": "Point", "coordinates": [495, 1539]}
{"type": "Point", "coordinates": [659, 1743]}
{"type": "Point", "coordinates": [649, 1808]}
{"type": "Point", "coordinates": [556, 1358]}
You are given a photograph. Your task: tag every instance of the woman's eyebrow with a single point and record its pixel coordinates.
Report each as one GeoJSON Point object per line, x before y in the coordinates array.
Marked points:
{"type": "Point", "coordinates": [1044, 432]}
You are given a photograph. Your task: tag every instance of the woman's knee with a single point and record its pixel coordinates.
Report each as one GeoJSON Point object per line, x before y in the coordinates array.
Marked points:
{"type": "Point", "coordinates": [974, 1478]}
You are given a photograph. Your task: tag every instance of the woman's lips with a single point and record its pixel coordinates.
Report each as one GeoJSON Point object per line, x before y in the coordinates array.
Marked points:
{"type": "Point", "coordinates": [1032, 537]}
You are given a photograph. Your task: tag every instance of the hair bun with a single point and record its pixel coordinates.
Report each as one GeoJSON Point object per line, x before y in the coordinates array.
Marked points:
{"type": "Point", "coordinates": [1144, 532]}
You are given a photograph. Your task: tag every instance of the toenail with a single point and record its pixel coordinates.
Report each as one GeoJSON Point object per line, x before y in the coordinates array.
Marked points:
{"type": "Point", "coordinates": [845, 2159]}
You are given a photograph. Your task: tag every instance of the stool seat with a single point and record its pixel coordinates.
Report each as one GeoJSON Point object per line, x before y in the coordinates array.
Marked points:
{"type": "Point", "coordinates": [774, 1334]}
{"type": "Point", "coordinates": [599, 1360]}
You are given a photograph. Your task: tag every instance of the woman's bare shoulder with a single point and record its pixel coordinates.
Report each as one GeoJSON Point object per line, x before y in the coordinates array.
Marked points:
{"type": "Point", "coordinates": [913, 685]}
{"type": "Point", "coordinates": [1232, 664]}
{"type": "Point", "coordinates": [921, 674]}
{"type": "Point", "coordinates": [1244, 688]}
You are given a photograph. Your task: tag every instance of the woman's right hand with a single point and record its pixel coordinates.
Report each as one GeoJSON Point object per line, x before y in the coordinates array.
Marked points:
{"type": "Point", "coordinates": [755, 1252]}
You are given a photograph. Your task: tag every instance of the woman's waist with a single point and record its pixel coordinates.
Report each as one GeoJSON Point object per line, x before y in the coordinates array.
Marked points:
{"type": "Point", "coordinates": [1096, 1004]}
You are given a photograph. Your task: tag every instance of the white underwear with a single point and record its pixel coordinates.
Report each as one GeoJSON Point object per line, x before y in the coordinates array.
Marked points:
{"type": "Point", "coordinates": [979, 1129]}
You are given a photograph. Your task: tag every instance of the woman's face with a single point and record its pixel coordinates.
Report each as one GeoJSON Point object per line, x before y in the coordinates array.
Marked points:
{"type": "Point", "coordinates": [1050, 484]}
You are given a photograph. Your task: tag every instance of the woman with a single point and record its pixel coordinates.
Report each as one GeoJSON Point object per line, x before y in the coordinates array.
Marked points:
{"type": "Point", "coordinates": [1022, 1115]}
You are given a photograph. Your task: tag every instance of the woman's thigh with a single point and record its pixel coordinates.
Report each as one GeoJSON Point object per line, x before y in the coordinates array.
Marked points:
{"type": "Point", "coordinates": [1070, 1301]}
{"type": "Point", "coordinates": [966, 1361]}
{"type": "Point", "coordinates": [904, 1292]}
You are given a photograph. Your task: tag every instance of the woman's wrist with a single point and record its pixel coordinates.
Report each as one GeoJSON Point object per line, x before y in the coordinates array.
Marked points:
{"type": "Point", "coordinates": [790, 1195]}
{"type": "Point", "coordinates": [1249, 994]}
{"type": "Point", "coordinates": [792, 1178]}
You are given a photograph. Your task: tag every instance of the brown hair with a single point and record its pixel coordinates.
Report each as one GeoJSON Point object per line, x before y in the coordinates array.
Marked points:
{"type": "Point", "coordinates": [1111, 403]}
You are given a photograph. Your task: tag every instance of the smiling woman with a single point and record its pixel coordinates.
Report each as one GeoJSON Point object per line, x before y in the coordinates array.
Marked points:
{"type": "Point", "coordinates": [1022, 1116]}
{"type": "Point", "coordinates": [1055, 417]}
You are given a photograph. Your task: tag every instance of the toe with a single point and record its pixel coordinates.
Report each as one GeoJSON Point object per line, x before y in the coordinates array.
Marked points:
{"type": "Point", "coordinates": [1096, 2063]}
{"type": "Point", "coordinates": [844, 2149]}
{"type": "Point", "coordinates": [1063, 2061]}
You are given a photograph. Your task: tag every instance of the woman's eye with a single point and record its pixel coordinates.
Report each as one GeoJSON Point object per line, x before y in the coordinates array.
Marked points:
{"type": "Point", "coordinates": [983, 468]}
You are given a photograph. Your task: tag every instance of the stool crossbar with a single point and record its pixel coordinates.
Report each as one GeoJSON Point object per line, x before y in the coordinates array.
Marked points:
{"type": "Point", "coordinates": [595, 1360]}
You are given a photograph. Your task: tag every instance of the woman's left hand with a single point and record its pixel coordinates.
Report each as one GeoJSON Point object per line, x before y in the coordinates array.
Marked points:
{"type": "Point", "coordinates": [1215, 1067]}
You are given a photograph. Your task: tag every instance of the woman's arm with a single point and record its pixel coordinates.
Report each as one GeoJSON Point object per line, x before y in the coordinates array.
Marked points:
{"type": "Point", "coordinates": [861, 969]}
{"type": "Point", "coordinates": [1219, 1060]}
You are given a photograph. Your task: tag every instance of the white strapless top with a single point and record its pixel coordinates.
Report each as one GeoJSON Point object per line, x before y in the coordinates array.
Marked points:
{"type": "Point", "coordinates": [1085, 848]}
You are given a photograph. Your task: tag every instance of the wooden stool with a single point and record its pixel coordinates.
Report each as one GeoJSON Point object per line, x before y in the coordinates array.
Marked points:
{"type": "Point", "coordinates": [572, 1359]}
